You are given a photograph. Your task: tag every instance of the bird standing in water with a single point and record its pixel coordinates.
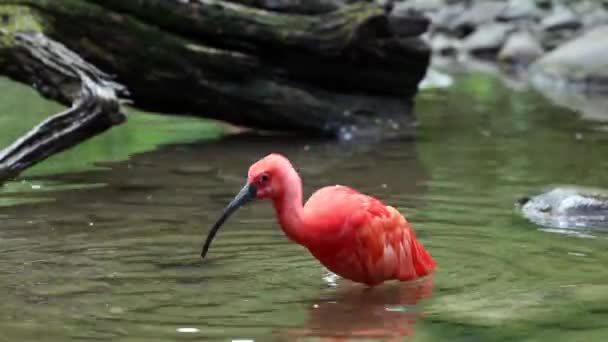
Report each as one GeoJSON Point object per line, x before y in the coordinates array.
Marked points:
{"type": "Point", "coordinates": [353, 235]}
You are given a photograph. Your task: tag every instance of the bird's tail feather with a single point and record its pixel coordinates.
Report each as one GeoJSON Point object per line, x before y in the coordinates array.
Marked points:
{"type": "Point", "coordinates": [423, 261]}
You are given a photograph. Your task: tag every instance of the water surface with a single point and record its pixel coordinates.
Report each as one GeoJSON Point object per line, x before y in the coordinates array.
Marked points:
{"type": "Point", "coordinates": [111, 253]}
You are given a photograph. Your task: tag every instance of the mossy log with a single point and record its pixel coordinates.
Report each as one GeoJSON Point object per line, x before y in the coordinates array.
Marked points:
{"type": "Point", "coordinates": [295, 6]}
{"type": "Point", "coordinates": [353, 65]}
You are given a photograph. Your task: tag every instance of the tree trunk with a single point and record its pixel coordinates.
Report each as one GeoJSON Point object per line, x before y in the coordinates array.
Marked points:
{"type": "Point", "coordinates": [351, 66]}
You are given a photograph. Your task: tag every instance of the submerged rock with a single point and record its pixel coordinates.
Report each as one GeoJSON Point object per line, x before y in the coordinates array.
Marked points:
{"type": "Point", "coordinates": [520, 48]}
{"type": "Point", "coordinates": [569, 207]}
{"type": "Point", "coordinates": [583, 61]}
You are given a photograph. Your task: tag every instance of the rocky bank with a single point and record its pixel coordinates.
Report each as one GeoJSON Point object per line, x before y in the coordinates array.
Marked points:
{"type": "Point", "coordinates": [556, 41]}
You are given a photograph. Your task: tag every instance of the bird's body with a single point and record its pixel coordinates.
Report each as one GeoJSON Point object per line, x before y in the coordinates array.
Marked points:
{"type": "Point", "coordinates": [354, 235]}
{"type": "Point", "coordinates": [359, 238]}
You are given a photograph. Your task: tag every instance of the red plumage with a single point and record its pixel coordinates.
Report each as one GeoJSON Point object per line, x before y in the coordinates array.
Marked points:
{"type": "Point", "coordinates": [354, 235]}
{"type": "Point", "coordinates": [363, 239]}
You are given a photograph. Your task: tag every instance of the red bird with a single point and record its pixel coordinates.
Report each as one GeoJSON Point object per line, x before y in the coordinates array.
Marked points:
{"type": "Point", "coordinates": [353, 235]}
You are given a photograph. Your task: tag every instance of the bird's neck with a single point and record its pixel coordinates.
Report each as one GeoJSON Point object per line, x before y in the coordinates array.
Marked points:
{"type": "Point", "coordinates": [289, 209]}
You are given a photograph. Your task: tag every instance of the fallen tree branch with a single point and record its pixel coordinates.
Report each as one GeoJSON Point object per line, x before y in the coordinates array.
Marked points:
{"type": "Point", "coordinates": [56, 73]}
{"type": "Point", "coordinates": [54, 70]}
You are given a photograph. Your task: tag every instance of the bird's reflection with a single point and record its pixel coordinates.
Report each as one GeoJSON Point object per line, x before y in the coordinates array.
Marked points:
{"type": "Point", "coordinates": [353, 312]}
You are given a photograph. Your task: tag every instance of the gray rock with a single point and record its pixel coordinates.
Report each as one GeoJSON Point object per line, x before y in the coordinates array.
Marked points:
{"type": "Point", "coordinates": [595, 18]}
{"type": "Point", "coordinates": [569, 207]}
{"type": "Point", "coordinates": [583, 60]}
{"type": "Point", "coordinates": [521, 9]}
{"type": "Point", "coordinates": [582, 7]}
{"type": "Point", "coordinates": [445, 18]}
{"type": "Point", "coordinates": [553, 39]}
{"type": "Point", "coordinates": [520, 48]}
{"type": "Point", "coordinates": [444, 44]}
{"type": "Point", "coordinates": [487, 38]}
{"type": "Point", "coordinates": [561, 17]}
{"type": "Point", "coordinates": [479, 13]}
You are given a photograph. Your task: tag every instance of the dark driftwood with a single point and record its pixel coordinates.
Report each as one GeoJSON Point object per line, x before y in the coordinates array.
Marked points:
{"type": "Point", "coordinates": [60, 74]}
{"type": "Point", "coordinates": [230, 24]}
{"type": "Point", "coordinates": [245, 65]}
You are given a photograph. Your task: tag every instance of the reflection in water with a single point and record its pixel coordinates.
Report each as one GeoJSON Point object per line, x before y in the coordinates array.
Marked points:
{"type": "Point", "coordinates": [199, 178]}
{"type": "Point", "coordinates": [355, 312]}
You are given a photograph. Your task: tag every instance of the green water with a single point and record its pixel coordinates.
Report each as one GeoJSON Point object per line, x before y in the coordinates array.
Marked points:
{"type": "Point", "coordinates": [111, 253]}
{"type": "Point", "coordinates": [21, 108]}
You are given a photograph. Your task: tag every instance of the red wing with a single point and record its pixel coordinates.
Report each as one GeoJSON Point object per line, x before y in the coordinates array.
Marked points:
{"type": "Point", "coordinates": [379, 243]}
{"type": "Point", "coordinates": [387, 249]}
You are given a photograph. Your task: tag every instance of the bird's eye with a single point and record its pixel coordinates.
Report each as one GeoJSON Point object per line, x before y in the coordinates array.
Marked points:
{"type": "Point", "coordinates": [264, 178]}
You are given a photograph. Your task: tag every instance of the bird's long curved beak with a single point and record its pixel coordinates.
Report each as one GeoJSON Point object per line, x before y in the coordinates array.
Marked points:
{"type": "Point", "coordinates": [247, 194]}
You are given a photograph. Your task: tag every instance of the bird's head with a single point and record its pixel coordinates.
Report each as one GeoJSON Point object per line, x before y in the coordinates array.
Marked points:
{"type": "Point", "coordinates": [266, 179]}
{"type": "Point", "coordinates": [268, 176]}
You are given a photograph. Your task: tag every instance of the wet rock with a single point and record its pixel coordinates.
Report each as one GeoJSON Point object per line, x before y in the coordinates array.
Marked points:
{"type": "Point", "coordinates": [520, 48]}
{"type": "Point", "coordinates": [479, 13]}
{"type": "Point", "coordinates": [562, 17]}
{"type": "Point", "coordinates": [583, 60]}
{"type": "Point", "coordinates": [487, 39]}
{"type": "Point", "coordinates": [569, 207]}
{"type": "Point", "coordinates": [521, 9]}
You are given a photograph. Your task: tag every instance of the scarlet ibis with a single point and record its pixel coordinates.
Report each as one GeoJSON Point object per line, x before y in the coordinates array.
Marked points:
{"type": "Point", "coordinates": [354, 235]}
